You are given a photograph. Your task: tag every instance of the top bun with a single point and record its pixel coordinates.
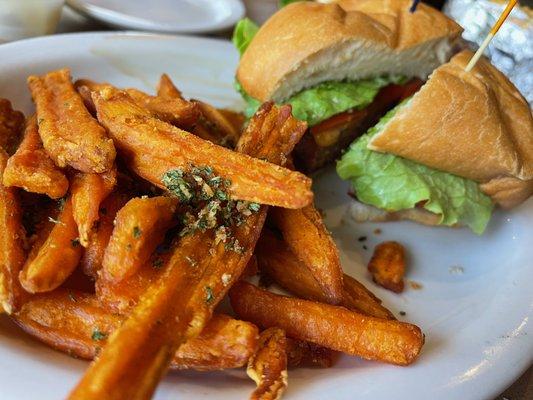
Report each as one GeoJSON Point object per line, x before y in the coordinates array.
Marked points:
{"type": "Point", "coordinates": [473, 124]}
{"type": "Point", "coordinates": [306, 43]}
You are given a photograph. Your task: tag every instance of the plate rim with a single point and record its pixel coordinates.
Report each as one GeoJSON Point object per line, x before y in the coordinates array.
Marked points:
{"type": "Point", "coordinates": [128, 22]}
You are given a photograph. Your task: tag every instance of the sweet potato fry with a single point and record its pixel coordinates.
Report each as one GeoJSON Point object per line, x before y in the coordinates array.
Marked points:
{"type": "Point", "coordinates": [70, 135]}
{"type": "Point", "coordinates": [387, 266]}
{"type": "Point", "coordinates": [93, 256]}
{"type": "Point", "coordinates": [55, 255]}
{"type": "Point", "coordinates": [213, 126]}
{"type": "Point", "coordinates": [305, 354]}
{"type": "Point", "coordinates": [152, 148]}
{"type": "Point", "coordinates": [236, 119]}
{"type": "Point", "coordinates": [330, 326]}
{"type": "Point", "coordinates": [32, 169]}
{"type": "Point", "coordinates": [309, 240]}
{"type": "Point", "coordinates": [174, 110]}
{"type": "Point", "coordinates": [88, 191]}
{"type": "Point", "coordinates": [11, 126]}
{"type": "Point", "coordinates": [275, 258]}
{"type": "Point", "coordinates": [268, 366]}
{"type": "Point", "coordinates": [166, 88]}
{"type": "Point", "coordinates": [12, 237]}
{"type": "Point", "coordinates": [74, 322]}
{"type": "Point", "coordinates": [222, 127]}
{"type": "Point", "coordinates": [139, 227]}
{"type": "Point", "coordinates": [177, 306]}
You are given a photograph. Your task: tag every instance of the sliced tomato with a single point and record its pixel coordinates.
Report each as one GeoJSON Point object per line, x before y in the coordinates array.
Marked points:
{"type": "Point", "coordinates": [388, 94]}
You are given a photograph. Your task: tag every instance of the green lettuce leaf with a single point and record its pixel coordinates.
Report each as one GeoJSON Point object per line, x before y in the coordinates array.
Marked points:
{"type": "Point", "coordinates": [326, 99]}
{"type": "Point", "coordinates": [393, 183]}
{"type": "Point", "coordinates": [243, 34]}
{"type": "Point", "coordinates": [251, 104]}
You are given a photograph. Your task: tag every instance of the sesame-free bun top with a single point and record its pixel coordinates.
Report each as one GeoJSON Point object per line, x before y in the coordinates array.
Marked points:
{"type": "Point", "coordinates": [306, 43]}
{"type": "Point", "coordinates": [472, 124]}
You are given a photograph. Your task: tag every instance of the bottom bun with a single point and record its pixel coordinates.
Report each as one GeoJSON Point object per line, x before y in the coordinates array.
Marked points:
{"type": "Point", "coordinates": [361, 212]}
{"type": "Point", "coordinates": [508, 192]}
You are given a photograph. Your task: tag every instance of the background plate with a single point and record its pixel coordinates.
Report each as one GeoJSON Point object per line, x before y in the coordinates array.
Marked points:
{"type": "Point", "coordinates": [475, 305]}
{"type": "Point", "coordinates": [171, 16]}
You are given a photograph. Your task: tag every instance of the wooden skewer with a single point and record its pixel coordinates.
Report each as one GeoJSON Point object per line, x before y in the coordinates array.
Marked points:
{"type": "Point", "coordinates": [414, 5]}
{"type": "Point", "coordinates": [491, 34]}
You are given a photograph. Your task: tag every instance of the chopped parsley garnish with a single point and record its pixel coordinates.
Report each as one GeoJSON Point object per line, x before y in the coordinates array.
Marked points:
{"type": "Point", "coordinates": [75, 242]}
{"type": "Point", "coordinates": [137, 232]}
{"type": "Point", "coordinates": [209, 297]}
{"type": "Point", "coordinates": [208, 204]}
{"type": "Point", "coordinates": [158, 263]}
{"type": "Point", "coordinates": [177, 185]}
{"type": "Point", "coordinates": [98, 335]}
{"type": "Point", "coordinates": [254, 207]}
{"type": "Point", "coordinates": [61, 203]}
{"type": "Point", "coordinates": [191, 261]}
{"type": "Point", "coordinates": [55, 221]}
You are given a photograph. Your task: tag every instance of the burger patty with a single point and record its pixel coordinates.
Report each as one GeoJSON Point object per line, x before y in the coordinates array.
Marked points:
{"type": "Point", "coordinates": [324, 143]}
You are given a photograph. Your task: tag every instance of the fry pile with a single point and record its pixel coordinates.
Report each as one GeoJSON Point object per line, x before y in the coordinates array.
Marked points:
{"type": "Point", "coordinates": [128, 217]}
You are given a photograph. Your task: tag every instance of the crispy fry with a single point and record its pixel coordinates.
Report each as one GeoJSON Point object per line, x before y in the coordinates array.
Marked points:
{"type": "Point", "coordinates": [152, 148]}
{"type": "Point", "coordinates": [219, 126]}
{"type": "Point", "coordinates": [55, 254]}
{"type": "Point", "coordinates": [214, 126]}
{"type": "Point", "coordinates": [93, 256]}
{"type": "Point", "coordinates": [70, 135]}
{"type": "Point", "coordinates": [88, 191]}
{"type": "Point", "coordinates": [11, 126]}
{"type": "Point", "coordinates": [75, 323]}
{"type": "Point", "coordinates": [223, 343]}
{"type": "Point", "coordinates": [387, 266]}
{"type": "Point", "coordinates": [307, 237]}
{"type": "Point", "coordinates": [174, 110]}
{"type": "Point", "coordinates": [11, 245]}
{"type": "Point", "coordinates": [236, 119]}
{"type": "Point", "coordinates": [305, 354]}
{"type": "Point", "coordinates": [276, 259]}
{"type": "Point", "coordinates": [268, 366]}
{"type": "Point", "coordinates": [166, 88]}
{"type": "Point", "coordinates": [179, 303]}
{"type": "Point", "coordinates": [139, 227]}
{"type": "Point", "coordinates": [356, 334]}
{"type": "Point", "coordinates": [32, 169]}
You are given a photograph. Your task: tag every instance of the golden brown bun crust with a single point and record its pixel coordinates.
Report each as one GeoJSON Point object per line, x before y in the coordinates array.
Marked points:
{"type": "Point", "coordinates": [301, 30]}
{"type": "Point", "coordinates": [508, 192]}
{"type": "Point", "coordinates": [472, 124]}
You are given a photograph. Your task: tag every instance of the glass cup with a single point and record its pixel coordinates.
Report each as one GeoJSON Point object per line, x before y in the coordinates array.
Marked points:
{"type": "Point", "coordinates": [27, 18]}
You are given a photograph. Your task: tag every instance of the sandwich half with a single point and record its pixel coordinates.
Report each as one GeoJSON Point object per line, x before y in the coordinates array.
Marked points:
{"type": "Point", "coordinates": [460, 145]}
{"type": "Point", "coordinates": [341, 65]}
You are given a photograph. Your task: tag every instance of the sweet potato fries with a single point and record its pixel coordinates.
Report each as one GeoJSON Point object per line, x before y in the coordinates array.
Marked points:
{"type": "Point", "coordinates": [122, 257]}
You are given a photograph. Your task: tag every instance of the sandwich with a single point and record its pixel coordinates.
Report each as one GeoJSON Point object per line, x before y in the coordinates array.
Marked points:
{"type": "Point", "coordinates": [447, 155]}
{"type": "Point", "coordinates": [341, 65]}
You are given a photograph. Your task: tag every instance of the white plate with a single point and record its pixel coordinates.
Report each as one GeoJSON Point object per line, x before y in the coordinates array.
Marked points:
{"type": "Point", "coordinates": [170, 16]}
{"type": "Point", "coordinates": [477, 324]}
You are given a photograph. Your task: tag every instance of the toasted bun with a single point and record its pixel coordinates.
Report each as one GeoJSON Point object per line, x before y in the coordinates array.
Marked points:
{"type": "Point", "coordinates": [306, 43]}
{"type": "Point", "coordinates": [472, 124]}
{"type": "Point", "coordinates": [508, 192]}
